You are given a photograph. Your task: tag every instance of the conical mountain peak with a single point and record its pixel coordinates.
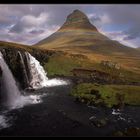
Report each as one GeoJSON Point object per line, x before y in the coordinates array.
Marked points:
{"type": "Point", "coordinates": [77, 15]}
{"type": "Point", "coordinates": [78, 20]}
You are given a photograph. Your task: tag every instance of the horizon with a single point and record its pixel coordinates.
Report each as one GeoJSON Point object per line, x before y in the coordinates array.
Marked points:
{"type": "Point", "coordinates": [28, 24]}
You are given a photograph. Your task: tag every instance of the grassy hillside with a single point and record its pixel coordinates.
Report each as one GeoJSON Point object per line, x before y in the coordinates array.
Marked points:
{"type": "Point", "coordinates": [85, 41]}
{"type": "Point", "coordinates": [14, 46]}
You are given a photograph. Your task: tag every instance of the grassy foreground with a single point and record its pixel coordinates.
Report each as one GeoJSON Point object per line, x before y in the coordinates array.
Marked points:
{"type": "Point", "coordinates": [108, 95]}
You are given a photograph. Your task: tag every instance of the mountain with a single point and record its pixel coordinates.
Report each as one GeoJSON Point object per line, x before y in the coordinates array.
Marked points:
{"type": "Point", "coordinates": [79, 35]}
{"type": "Point", "coordinates": [138, 48]}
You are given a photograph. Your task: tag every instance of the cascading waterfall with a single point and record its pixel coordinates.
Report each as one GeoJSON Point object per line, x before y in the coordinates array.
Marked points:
{"type": "Point", "coordinates": [37, 73]}
{"type": "Point", "coordinates": [9, 91]}
{"type": "Point", "coordinates": [10, 95]}
{"type": "Point", "coordinates": [39, 77]}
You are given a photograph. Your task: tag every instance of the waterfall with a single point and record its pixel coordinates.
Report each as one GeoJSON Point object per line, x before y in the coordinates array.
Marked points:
{"type": "Point", "coordinates": [8, 90]}
{"type": "Point", "coordinates": [38, 75]}
{"type": "Point", "coordinates": [24, 68]}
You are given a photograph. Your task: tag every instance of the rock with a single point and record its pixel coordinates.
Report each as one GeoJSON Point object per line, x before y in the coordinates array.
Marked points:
{"type": "Point", "coordinates": [0, 72]}
{"type": "Point", "coordinates": [133, 131]}
{"type": "Point", "coordinates": [96, 93]}
{"type": "Point", "coordinates": [98, 122]}
{"type": "Point", "coordinates": [111, 64]}
{"type": "Point", "coordinates": [82, 100]}
{"type": "Point", "coordinates": [118, 134]}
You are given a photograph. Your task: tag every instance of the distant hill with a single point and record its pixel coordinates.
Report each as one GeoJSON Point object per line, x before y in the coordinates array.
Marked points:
{"type": "Point", "coordinates": [4, 44]}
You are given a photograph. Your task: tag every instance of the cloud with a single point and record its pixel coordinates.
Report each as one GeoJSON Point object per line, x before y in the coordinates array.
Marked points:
{"type": "Point", "coordinates": [132, 33]}
{"type": "Point", "coordinates": [28, 22]}
{"type": "Point", "coordinates": [120, 37]}
{"type": "Point", "coordinates": [99, 20]}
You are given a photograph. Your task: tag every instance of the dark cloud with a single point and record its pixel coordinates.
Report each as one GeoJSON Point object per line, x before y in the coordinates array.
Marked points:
{"type": "Point", "coordinates": [133, 32]}
{"type": "Point", "coordinates": [36, 32]}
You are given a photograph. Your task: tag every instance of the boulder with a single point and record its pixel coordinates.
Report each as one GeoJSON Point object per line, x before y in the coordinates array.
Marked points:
{"type": "Point", "coordinates": [99, 122]}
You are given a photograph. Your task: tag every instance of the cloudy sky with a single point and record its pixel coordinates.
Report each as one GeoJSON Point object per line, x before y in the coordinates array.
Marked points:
{"type": "Point", "coordinates": [28, 24]}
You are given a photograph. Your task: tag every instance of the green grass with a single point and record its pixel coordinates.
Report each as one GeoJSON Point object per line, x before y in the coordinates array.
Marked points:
{"type": "Point", "coordinates": [62, 64]}
{"type": "Point", "coordinates": [108, 94]}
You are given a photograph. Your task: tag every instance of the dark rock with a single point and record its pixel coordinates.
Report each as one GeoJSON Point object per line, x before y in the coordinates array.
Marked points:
{"type": "Point", "coordinates": [0, 72]}
{"type": "Point", "coordinates": [118, 134]}
{"type": "Point", "coordinates": [96, 93]}
{"type": "Point", "coordinates": [120, 98]}
{"type": "Point", "coordinates": [132, 131]}
{"type": "Point", "coordinates": [99, 122]}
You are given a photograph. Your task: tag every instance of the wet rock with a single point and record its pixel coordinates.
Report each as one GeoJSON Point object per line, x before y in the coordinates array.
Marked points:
{"type": "Point", "coordinates": [132, 131]}
{"type": "Point", "coordinates": [98, 122]}
{"type": "Point", "coordinates": [0, 72]}
{"type": "Point", "coordinates": [118, 134]}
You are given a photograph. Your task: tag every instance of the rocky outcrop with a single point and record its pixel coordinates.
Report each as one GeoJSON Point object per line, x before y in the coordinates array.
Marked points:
{"type": "Point", "coordinates": [111, 64]}
{"type": "Point", "coordinates": [95, 76]}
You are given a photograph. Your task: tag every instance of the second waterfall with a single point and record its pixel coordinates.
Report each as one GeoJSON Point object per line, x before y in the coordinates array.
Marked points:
{"type": "Point", "coordinates": [38, 76]}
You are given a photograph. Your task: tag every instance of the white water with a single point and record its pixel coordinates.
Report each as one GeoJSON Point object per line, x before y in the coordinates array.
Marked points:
{"type": "Point", "coordinates": [21, 102]}
{"type": "Point", "coordinates": [9, 91]}
{"type": "Point", "coordinates": [39, 77]}
{"type": "Point", "coordinates": [4, 122]}
{"type": "Point", "coordinates": [116, 112]}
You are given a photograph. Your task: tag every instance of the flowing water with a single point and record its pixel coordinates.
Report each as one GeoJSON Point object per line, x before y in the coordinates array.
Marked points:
{"type": "Point", "coordinates": [9, 91]}
{"type": "Point", "coordinates": [12, 97]}
{"type": "Point", "coordinates": [39, 77]}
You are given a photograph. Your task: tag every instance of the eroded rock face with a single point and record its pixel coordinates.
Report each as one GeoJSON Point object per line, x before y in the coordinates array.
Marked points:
{"type": "Point", "coordinates": [13, 60]}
